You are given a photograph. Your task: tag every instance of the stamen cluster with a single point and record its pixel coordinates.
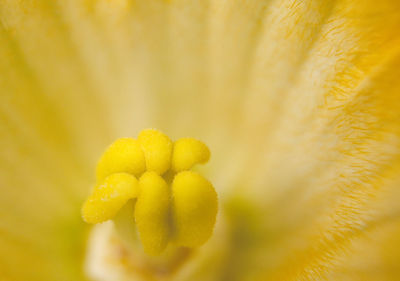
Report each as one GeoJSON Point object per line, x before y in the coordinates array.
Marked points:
{"type": "Point", "coordinates": [172, 203]}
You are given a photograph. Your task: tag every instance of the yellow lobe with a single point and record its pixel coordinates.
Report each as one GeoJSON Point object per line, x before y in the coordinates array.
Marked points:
{"type": "Point", "coordinates": [157, 148]}
{"type": "Point", "coordinates": [194, 209]}
{"type": "Point", "coordinates": [109, 196]}
{"type": "Point", "coordinates": [124, 155]}
{"type": "Point", "coordinates": [152, 213]}
{"type": "Point", "coordinates": [187, 152]}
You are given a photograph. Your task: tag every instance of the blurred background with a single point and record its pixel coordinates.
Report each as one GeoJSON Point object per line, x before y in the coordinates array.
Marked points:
{"type": "Point", "coordinates": [299, 102]}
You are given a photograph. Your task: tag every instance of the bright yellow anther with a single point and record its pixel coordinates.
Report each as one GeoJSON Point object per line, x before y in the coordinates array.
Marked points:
{"type": "Point", "coordinates": [187, 152]}
{"type": "Point", "coordinates": [194, 209]}
{"type": "Point", "coordinates": [124, 155]}
{"type": "Point", "coordinates": [157, 148]}
{"type": "Point", "coordinates": [152, 213]}
{"type": "Point", "coordinates": [182, 212]}
{"type": "Point", "coordinates": [109, 196]}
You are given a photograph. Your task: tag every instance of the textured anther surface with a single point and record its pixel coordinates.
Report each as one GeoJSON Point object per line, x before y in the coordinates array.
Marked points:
{"type": "Point", "coordinates": [183, 212]}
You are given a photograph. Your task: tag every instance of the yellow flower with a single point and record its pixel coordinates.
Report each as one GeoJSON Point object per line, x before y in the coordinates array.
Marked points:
{"type": "Point", "coordinates": [298, 100]}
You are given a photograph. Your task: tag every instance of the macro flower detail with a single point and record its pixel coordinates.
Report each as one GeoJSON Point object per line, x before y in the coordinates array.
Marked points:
{"type": "Point", "coordinates": [172, 203]}
{"type": "Point", "coordinates": [298, 100]}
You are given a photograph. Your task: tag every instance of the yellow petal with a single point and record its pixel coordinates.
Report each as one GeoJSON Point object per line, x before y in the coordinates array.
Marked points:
{"type": "Point", "coordinates": [289, 75]}
{"type": "Point", "coordinates": [157, 149]}
{"type": "Point", "coordinates": [109, 196]}
{"type": "Point", "coordinates": [194, 209]}
{"type": "Point", "coordinates": [152, 213]}
{"type": "Point", "coordinates": [124, 155]}
{"type": "Point", "coordinates": [188, 152]}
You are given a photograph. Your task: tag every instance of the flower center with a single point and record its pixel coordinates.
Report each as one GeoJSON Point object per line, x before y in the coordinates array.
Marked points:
{"type": "Point", "coordinates": [169, 203]}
